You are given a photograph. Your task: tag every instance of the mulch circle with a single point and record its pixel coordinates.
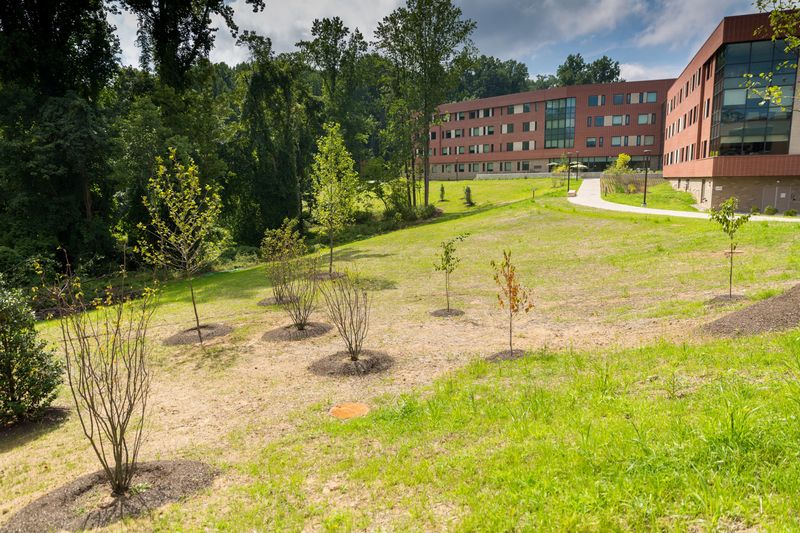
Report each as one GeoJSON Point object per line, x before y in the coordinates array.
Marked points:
{"type": "Point", "coordinates": [189, 336]}
{"type": "Point", "coordinates": [445, 313]}
{"type": "Point", "coordinates": [86, 502]}
{"type": "Point", "coordinates": [723, 299]}
{"type": "Point", "coordinates": [340, 364]}
{"type": "Point", "coordinates": [348, 410]}
{"type": "Point", "coordinates": [291, 333]}
{"type": "Point", "coordinates": [268, 302]}
{"type": "Point", "coordinates": [326, 276]}
{"type": "Point", "coordinates": [778, 313]}
{"type": "Point", "coordinates": [506, 355]}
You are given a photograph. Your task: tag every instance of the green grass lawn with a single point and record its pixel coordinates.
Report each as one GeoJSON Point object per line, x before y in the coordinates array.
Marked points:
{"type": "Point", "coordinates": [662, 438]}
{"type": "Point", "coordinates": [488, 193]}
{"type": "Point", "coordinates": [661, 196]}
{"type": "Point", "coordinates": [585, 433]}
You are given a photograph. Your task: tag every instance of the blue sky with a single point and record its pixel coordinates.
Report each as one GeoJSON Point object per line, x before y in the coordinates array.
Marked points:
{"type": "Point", "coordinates": [650, 38]}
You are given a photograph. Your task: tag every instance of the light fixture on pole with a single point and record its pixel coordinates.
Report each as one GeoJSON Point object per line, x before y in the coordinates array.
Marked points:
{"type": "Point", "coordinates": [569, 164]}
{"type": "Point", "coordinates": [646, 168]}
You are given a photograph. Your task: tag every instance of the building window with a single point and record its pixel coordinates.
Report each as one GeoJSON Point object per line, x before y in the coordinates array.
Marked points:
{"type": "Point", "coordinates": [526, 145]}
{"type": "Point", "coordinates": [616, 120]}
{"type": "Point", "coordinates": [473, 114]}
{"type": "Point", "coordinates": [619, 99]}
{"type": "Point", "coordinates": [526, 108]}
{"type": "Point", "coordinates": [433, 135]}
{"type": "Point", "coordinates": [510, 110]}
{"type": "Point", "coordinates": [488, 148]}
{"type": "Point", "coordinates": [489, 130]}
{"type": "Point", "coordinates": [600, 142]}
{"type": "Point", "coordinates": [740, 124]}
{"type": "Point", "coordinates": [489, 167]}
{"type": "Point", "coordinates": [460, 150]}
{"type": "Point", "coordinates": [559, 129]}
{"type": "Point", "coordinates": [652, 97]}
{"type": "Point", "coordinates": [509, 147]}
{"type": "Point", "coordinates": [599, 121]}
{"type": "Point", "coordinates": [616, 141]}
{"type": "Point", "coordinates": [649, 140]}
{"type": "Point", "coordinates": [526, 126]}
{"type": "Point", "coordinates": [591, 142]}
{"type": "Point", "coordinates": [597, 100]}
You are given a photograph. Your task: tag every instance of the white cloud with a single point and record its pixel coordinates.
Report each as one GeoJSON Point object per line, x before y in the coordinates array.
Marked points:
{"type": "Point", "coordinates": [678, 23]}
{"type": "Point", "coordinates": [639, 71]}
{"type": "Point", "coordinates": [283, 21]}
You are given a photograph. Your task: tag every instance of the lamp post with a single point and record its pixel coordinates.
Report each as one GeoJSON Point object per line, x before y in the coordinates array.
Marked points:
{"type": "Point", "coordinates": [646, 168]}
{"type": "Point", "coordinates": [577, 167]}
{"type": "Point", "coordinates": [569, 165]}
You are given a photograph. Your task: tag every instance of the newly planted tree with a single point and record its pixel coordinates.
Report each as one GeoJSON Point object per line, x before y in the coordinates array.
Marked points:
{"type": "Point", "coordinates": [513, 297]}
{"type": "Point", "coordinates": [730, 223]}
{"type": "Point", "coordinates": [334, 186]}
{"type": "Point", "coordinates": [106, 355]}
{"type": "Point", "coordinates": [29, 373]}
{"type": "Point", "coordinates": [299, 291]}
{"type": "Point", "coordinates": [183, 218]}
{"type": "Point", "coordinates": [447, 261]}
{"type": "Point", "coordinates": [281, 248]}
{"type": "Point", "coordinates": [348, 308]}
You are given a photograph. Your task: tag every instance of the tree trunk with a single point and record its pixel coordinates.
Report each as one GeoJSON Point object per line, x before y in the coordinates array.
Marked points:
{"type": "Point", "coordinates": [330, 259]}
{"type": "Point", "coordinates": [425, 158]}
{"type": "Point", "coordinates": [447, 289]}
{"type": "Point", "coordinates": [730, 276]}
{"type": "Point", "coordinates": [510, 331]}
{"type": "Point", "coordinates": [196, 316]}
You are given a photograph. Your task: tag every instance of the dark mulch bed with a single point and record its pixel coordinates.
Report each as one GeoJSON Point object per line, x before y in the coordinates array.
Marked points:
{"type": "Point", "coordinates": [267, 302]}
{"type": "Point", "coordinates": [778, 313]}
{"type": "Point", "coordinates": [723, 299]}
{"type": "Point", "coordinates": [325, 276]}
{"type": "Point", "coordinates": [189, 336]}
{"type": "Point", "coordinates": [339, 364]}
{"type": "Point", "coordinates": [444, 313]}
{"type": "Point", "coordinates": [291, 333]}
{"type": "Point", "coordinates": [506, 355]}
{"type": "Point", "coordinates": [87, 503]}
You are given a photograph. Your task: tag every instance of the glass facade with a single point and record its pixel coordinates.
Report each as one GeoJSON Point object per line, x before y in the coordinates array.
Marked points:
{"type": "Point", "coordinates": [559, 126]}
{"type": "Point", "coordinates": [741, 123]}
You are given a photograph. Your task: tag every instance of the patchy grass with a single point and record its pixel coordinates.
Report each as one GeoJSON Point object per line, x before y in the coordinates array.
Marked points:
{"type": "Point", "coordinates": [661, 196]}
{"type": "Point", "coordinates": [602, 427]}
{"type": "Point", "coordinates": [665, 437]}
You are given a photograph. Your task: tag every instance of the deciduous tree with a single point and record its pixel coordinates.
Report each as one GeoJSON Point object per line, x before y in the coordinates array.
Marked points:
{"type": "Point", "coordinates": [513, 297]}
{"type": "Point", "coordinates": [730, 223]}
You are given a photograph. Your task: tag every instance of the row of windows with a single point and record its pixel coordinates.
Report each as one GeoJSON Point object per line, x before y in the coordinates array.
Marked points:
{"type": "Point", "coordinates": [493, 166]}
{"type": "Point", "coordinates": [686, 153]}
{"type": "Point", "coordinates": [623, 140]}
{"type": "Point", "coordinates": [481, 131]}
{"type": "Point", "coordinates": [514, 109]}
{"type": "Point", "coordinates": [597, 100]}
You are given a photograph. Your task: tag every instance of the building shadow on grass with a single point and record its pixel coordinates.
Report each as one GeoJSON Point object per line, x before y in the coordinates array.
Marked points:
{"type": "Point", "coordinates": [24, 432]}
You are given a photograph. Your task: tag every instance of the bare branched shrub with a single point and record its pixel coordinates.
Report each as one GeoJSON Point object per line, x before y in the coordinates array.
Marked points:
{"type": "Point", "coordinates": [281, 248]}
{"type": "Point", "coordinates": [299, 290]}
{"type": "Point", "coordinates": [348, 308]}
{"type": "Point", "coordinates": [106, 360]}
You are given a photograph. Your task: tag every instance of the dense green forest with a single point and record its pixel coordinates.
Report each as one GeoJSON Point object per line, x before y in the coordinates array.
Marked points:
{"type": "Point", "coordinates": [80, 133]}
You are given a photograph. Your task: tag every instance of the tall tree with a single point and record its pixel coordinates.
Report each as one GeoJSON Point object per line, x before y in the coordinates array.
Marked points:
{"type": "Point", "coordinates": [490, 76]}
{"type": "Point", "coordinates": [55, 60]}
{"type": "Point", "coordinates": [430, 41]}
{"type": "Point", "coordinates": [174, 35]}
{"type": "Point", "coordinates": [337, 54]}
{"type": "Point", "coordinates": [576, 71]}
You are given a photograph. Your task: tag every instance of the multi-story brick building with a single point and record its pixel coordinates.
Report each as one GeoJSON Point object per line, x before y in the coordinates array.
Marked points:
{"type": "Point", "coordinates": [525, 132]}
{"type": "Point", "coordinates": [712, 136]}
{"type": "Point", "coordinates": [722, 140]}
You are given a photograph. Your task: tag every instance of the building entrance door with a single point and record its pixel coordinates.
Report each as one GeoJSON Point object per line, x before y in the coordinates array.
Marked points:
{"type": "Point", "coordinates": [779, 197]}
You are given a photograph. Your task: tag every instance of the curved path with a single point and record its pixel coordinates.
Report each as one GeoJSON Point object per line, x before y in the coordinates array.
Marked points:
{"type": "Point", "coordinates": [589, 196]}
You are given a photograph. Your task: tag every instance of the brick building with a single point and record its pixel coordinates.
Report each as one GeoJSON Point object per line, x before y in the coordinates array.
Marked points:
{"type": "Point", "coordinates": [721, 140]}
{"type": "Point", "coordinates": [711, 136]}
{"type": "Point", "coordinates": [525, 132]}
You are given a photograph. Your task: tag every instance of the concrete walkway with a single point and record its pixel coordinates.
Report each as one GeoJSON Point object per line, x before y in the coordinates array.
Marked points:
{"type": "Point", "coordinates": [589, 196]}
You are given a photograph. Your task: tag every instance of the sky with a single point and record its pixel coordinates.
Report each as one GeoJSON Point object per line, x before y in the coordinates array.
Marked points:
{"type": "Point", "coordinates": [650, 38]}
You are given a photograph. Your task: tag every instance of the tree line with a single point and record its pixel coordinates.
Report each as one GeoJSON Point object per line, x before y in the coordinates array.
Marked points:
{"type": "Point", "coordinates": [80, 134]}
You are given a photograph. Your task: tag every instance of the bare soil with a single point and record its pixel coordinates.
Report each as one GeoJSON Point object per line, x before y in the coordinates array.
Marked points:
{"type": "Point", "coordinates": [340, 364]}
{"type": "Point", "coordinates": [290, 333]}
{"type": "Point", "coordinates": [446, 313]}
{"type": "Point", "coordinates": [778, 313]}
{"type": "Point", "coordinates": [189, 336]}
{"type": "Point", "coordinates": [86, 502]}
